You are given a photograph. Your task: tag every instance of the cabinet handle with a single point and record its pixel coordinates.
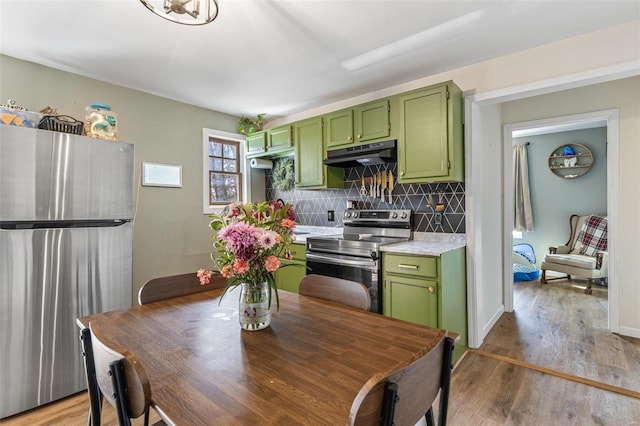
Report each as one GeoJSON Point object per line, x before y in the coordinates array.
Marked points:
{"type": "Point", "coordinates": [432, 289]}
{"type": "Point", "coordinates": [349, 138]}
{"type": "Point", "coordinates": [405, 266]}
{"type": "Point", "coordinates": [401, 173]}
{"type": "Point", "coordinates": [358, 136]}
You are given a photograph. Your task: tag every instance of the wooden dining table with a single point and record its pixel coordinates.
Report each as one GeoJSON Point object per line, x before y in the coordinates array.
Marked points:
{"type": "Point", "coordinates": [307, 367]}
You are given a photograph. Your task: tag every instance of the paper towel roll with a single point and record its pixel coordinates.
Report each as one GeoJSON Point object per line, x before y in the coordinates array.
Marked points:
{"type": "Point", "coordinates": [260, 163]}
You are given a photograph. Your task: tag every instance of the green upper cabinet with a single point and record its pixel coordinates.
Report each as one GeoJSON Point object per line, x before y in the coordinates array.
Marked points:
{"type": "Point", "coordinates": [309, 148]}
{"type": "Point", "coordinates": [430, 144]}
{"type": "Point", "coordinates": [372, 121]}
{"type": "Point", "coordinates": [339, 128]}
{"type": "Point", "coordinates": [279, 139]}
{"type": "Point", "coordinates": [256, 143]}
{"type": "Point", "coordinates": [364, 123]}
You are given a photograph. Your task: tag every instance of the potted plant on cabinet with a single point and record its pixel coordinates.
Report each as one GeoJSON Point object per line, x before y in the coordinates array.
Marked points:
{"type": "Point", "coordinates": [247, 126]}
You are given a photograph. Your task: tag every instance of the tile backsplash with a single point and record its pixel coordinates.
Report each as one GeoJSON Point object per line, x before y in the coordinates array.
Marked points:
{"type": "Point", "coordinates": [312, 206]}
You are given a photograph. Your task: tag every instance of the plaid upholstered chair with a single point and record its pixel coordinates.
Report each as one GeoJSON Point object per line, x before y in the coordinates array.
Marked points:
{"type": "Point", "coordinates": [584, 255]}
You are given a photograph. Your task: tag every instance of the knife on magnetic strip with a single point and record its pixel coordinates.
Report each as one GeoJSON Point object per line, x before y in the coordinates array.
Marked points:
{"type": "Point", "coordinates": [390, 186]}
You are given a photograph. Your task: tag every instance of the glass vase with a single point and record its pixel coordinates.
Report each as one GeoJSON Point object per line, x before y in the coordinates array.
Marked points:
{"type": "Point", "coordinates": [254, 313]}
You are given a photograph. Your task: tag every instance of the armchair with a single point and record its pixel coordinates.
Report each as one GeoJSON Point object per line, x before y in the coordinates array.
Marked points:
{"type": "Point", "coordinates": [584, 255]}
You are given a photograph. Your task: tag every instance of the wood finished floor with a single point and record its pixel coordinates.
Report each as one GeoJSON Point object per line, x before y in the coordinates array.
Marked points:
{"type": "Point", "coordinates": [71, 411]}
{"type": "Point", "coordinates": [556, 326]}
{"type": "Point", "coordinates": [559, 327]}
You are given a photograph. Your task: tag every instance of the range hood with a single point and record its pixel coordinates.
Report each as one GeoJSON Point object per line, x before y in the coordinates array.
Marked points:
{"type": "Point", "coordinates": [363, 155]}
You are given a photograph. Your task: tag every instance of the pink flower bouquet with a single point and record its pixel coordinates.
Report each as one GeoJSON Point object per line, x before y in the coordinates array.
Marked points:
{"type": "Point", "coordinates": [249, 239]}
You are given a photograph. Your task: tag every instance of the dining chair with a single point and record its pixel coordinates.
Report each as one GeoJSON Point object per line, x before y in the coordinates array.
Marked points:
{"type": "Point", "coordinates": [345, 292]}
{"type": "Point", "coordinates": [405, 396]}
{"type": "Point", "coordinates": [116, 375]}
{"type": "Point", "coordinates": [163, 288]}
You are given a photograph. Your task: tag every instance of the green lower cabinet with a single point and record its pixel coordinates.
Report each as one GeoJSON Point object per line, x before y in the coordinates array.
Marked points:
{"type": "Point", "coordinates": [428, 290]}
{"type": "Point", "coordinates": [410, 300]}
{"type": "Point", "coordinates": [289, 275]}
{"type": "Point", "coordinates": [291, 272]}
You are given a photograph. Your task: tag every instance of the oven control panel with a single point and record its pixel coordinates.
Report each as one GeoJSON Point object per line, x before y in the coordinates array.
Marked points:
{"type": "Point", "coordinates": [354, 215]}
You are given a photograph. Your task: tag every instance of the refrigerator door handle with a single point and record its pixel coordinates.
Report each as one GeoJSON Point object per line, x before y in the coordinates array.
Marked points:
{"type": "Point", "coordinates": [62, 224]}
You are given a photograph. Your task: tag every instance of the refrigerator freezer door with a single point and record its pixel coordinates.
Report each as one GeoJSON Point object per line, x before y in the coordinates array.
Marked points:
{"type": "Point", "coordinates": [48, 278]}
{"type": "Point", "coordinates": [58, 176]}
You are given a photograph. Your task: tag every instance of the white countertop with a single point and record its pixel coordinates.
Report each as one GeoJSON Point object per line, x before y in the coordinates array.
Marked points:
{"type": "Point", "coordinates": [428, 244]}
{"type": "Point", "coordinates": [421, 248]}
{"type": "Point", "coordinates": [423, 243]}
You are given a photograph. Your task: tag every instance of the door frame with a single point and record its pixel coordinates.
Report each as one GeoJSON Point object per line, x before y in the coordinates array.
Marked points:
{"type": "Point", "coordinates": [613, 196]}
{"type": "Point", "coordinates": [473, 105]}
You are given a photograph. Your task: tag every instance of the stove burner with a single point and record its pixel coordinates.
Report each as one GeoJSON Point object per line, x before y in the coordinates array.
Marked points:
{"type": "Point", "coordinates": [364, 231]}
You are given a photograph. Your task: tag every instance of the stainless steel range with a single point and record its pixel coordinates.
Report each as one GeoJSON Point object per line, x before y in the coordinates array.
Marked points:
{"type": "Point", "coordinates": [355, 255]}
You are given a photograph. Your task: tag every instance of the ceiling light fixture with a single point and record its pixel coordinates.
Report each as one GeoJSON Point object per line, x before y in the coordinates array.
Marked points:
{"type": "Point", "coordinates": [186, 12]}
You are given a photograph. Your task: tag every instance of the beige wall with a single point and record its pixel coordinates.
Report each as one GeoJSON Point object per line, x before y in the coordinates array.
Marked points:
{"type": "Point", "coordinates": [171, 234]}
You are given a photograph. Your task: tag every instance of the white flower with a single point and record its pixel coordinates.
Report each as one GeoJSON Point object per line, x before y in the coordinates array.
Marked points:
{"type": "Point", "coordinates": [267, 238]}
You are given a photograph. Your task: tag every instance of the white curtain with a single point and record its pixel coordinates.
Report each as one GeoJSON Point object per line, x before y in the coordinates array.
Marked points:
{"type": "Point", "coordinates": [523, 217]}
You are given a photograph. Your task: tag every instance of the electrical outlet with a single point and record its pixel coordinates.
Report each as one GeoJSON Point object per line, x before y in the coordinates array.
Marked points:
{"type": "Point", "coordinates": [437, 218]}
{"type": "Point", "coordinates": [331, 215]}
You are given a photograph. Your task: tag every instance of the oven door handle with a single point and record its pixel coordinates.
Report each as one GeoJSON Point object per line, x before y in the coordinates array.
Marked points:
{"type": "Point", "coordinates": [365, 263]}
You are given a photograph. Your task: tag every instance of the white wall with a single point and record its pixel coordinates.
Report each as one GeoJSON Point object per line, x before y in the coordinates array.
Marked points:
{"type": "Point", "coordinates": [486, 178]}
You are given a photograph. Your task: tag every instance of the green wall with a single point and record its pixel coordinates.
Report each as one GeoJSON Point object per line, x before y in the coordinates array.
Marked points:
{"type": "Point", "coordinates": [554, 199]}
{"type": "Point", "coordinates": [171, 234]}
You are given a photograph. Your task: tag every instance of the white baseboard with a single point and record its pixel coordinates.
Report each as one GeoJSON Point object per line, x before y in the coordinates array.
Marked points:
{"type": "Point", "coordinates": [629, 332]}
{"type": "Point", "coordinates": [494, 319]}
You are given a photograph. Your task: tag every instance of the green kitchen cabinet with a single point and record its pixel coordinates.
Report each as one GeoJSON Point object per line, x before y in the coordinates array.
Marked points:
{"type": "Point", "coordinates": [310, 172]}
{"type": "Point", "coordinates": [430, 142]}
{"type": "Point", "coordinates": [280, 139]}
{"type": "Point", "coordinates": [339, 128]}
{"type": "Point", "coordinates": [368, 122]}
{"type": "Point", "coordinates": [410, 301]}
{"type": "Point", "coordinates": [291, 271]}
{"type": "Point", "coordinates": [372, 121]}
{"type": "Point", "coordinates": [256, 144]}
{"type": "Point", "coordinates": [428, 290]}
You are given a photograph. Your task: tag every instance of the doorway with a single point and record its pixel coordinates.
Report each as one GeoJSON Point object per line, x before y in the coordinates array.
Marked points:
{"type": "Point", "coordinates": [608, 118]}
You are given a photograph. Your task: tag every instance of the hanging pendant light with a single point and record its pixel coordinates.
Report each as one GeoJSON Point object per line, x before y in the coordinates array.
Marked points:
{"type": "Point", "coordinates": [188, 12]}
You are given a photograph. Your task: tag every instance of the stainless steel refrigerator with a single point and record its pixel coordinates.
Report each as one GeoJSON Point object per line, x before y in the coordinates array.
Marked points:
{"type": "Point", "coordinates": [66, 212]}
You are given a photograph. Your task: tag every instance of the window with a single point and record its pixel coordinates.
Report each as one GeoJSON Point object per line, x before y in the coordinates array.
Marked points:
{"type": "Point", "coordinates": [223, 167]}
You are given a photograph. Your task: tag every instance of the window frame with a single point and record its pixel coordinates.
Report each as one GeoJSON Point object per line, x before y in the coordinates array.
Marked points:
{"type": "Point", "coordinates": [207, 207]}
